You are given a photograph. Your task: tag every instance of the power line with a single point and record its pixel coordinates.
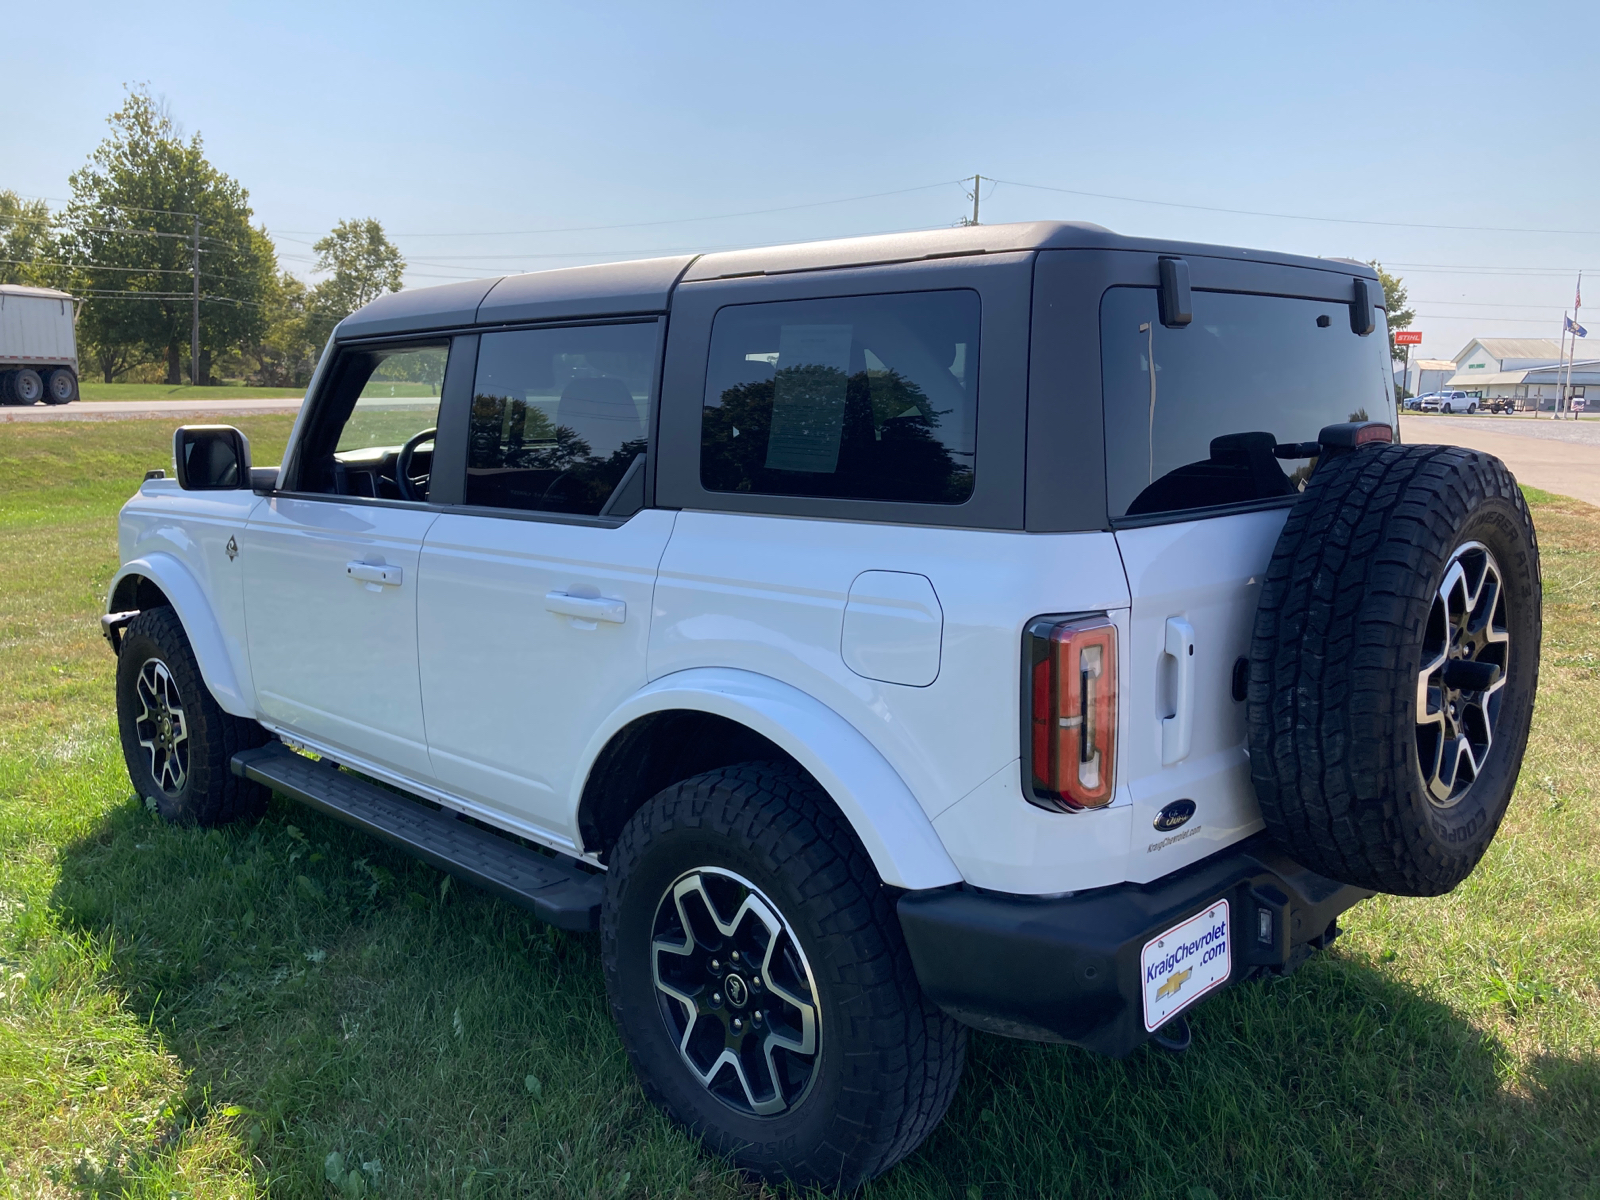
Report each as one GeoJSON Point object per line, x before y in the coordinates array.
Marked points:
{"type": "Point", "coordinates": [113, 294]}
{"type": "Point", "coordinates": [1246, 212]}
{"type": "Point", "coordinates": [166, 212]}
{"type": "Point", "coordinates": [756, 212]}
{"type": "Point", "coordinates": [1481, 320]}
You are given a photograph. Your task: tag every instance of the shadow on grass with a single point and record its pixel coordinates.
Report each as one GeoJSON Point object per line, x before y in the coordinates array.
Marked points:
{"type": "Point", "coordinates": [331, 997]}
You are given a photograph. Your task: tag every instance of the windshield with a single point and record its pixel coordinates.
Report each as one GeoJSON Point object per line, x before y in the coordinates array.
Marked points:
{"type": "Point", "coordinates": [1217, 421]}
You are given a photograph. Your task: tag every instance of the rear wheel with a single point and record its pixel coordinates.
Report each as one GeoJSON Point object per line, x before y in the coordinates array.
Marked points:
{"type": "Point", "coordinates": [761, 983]}
{"type": "Point", "coordinates": [60, 387]}
{"type": "Point", "coordinates": [176, 739]}
{"type": "Point", "coordinates": [24, 387]}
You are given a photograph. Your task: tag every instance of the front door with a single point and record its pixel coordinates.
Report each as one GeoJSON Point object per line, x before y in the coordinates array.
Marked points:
{"type": "Point", "coordinates": [331, 564]}
{"type": "Point", "coordinates": [534, 598]}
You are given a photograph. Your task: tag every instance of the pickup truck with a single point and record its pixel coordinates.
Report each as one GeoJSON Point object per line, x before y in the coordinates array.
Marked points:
{"type": "Point", "coordinates": [1022, 628]}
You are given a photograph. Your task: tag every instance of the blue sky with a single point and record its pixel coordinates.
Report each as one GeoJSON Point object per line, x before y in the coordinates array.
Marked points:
{"type": "Point", "coordinates": [491, 138]}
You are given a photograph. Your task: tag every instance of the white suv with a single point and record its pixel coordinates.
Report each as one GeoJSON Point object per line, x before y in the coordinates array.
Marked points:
{"type": "Point", "coordinates": [1018, 627]}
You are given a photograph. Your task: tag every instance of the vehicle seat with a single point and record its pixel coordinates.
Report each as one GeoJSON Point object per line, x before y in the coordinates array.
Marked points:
{"type": "Point", "coordinates": [601, 411]}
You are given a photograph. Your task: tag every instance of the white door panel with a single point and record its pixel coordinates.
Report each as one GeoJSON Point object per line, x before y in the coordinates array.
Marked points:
{"type": "Point", "coordinates": [1194, 586]}
{"type": "Point", "coordinates": [530, 633]}
{"type": "Point", "coordinates": [333, 647]}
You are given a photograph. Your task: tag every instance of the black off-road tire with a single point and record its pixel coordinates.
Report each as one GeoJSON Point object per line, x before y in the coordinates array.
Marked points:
{"type": "Point", "coordinates": [1351, 604]}
{"type": "Point", "coordinates": [887, 1061]}
{"type": "Point", "coordinates": [198, 788]}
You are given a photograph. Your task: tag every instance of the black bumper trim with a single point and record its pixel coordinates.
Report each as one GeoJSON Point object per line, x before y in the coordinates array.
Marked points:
{"type": "Point", "coordinates": [1067, 969]}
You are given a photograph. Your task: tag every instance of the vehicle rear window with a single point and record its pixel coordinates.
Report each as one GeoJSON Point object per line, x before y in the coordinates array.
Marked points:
{"type": "Point", "coordinates": [1249, 374]}
{"type": "Point", "coordinates": [858, 397]}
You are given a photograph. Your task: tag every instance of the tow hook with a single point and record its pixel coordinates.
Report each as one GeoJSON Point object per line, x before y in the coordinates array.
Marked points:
{"type": "Point", "coordinates": [1175, 1036]}
{"type": "Point", "coordinates": [112, 625]}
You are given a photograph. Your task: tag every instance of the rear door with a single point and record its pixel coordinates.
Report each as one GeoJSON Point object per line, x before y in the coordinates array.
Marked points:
{"type": "Point", "coordinates": [1201, 422]}
{"type": "Point", "coordinates": [533, 605]}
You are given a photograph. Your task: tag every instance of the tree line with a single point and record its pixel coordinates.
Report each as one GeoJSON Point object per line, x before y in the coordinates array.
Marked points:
{"type": "Point", "coordinates": [125, 245]}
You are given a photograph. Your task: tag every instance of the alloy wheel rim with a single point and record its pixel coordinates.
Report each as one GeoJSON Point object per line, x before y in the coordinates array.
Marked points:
{"type": "Point", "coordinates": [161, 726]}
{"type": "Point", "coordinates": [1466, 653]}
{"type": "Point", "coordinates": [736, 992]}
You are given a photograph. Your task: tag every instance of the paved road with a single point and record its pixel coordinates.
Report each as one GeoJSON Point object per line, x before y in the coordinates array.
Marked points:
{"type": "Point", "coordinates": [1556, 456]}
{"type": "Point", "coordinates": [111, 410]}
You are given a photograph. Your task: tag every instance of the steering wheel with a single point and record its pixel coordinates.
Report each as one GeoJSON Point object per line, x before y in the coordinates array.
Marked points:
{"type": "Point", "coordinates": [402, 464]}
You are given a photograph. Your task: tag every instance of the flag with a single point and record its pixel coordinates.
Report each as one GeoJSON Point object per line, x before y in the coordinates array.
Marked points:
{"type": "Point", "coordinates": [1577, 300]}
{"type": "Point", "coordinates": [1573, 327]}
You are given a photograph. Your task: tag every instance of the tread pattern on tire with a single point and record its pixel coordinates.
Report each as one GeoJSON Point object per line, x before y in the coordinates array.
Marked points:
{"type": "Point", "coordinates": [907, 1080]}
{"type": "Point", "coordinates": [1329, 717]}
{"type": "Point", "coordinates": [215, 796]}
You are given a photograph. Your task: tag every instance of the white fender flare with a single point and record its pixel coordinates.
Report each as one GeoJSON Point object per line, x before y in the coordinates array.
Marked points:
{"type": "Point", "coordinates": [205, 635]}
{"type": "Point", "coordinates": [880, 808]}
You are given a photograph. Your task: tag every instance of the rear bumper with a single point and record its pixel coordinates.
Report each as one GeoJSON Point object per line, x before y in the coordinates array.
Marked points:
{"type": "Point", "coordinates": [1069, 969]}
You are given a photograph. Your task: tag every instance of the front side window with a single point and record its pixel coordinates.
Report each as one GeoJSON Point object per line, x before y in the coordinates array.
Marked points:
{"type": "Point", "coordinates": [373, 435]}
{"type": "Point", "coordinates": [559, 415]}
{"type": "Point", "coordinates": [1209, 414]}
{"type": "Point", "coordinates": [859, 398]}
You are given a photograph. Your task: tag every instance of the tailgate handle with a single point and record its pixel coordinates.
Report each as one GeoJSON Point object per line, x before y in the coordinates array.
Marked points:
{"type": "Point", "coordinates": [586, 608]}
{"type": "Point", "coordinates": [374, 573]}
{"type": "Point", "coordinates": [1177, 731]}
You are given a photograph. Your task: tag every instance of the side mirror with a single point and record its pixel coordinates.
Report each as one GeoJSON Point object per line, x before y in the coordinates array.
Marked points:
{"type": "Point", "coordinates": [211, 458]}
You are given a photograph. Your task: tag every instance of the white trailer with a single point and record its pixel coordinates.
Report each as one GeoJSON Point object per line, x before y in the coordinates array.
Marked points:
{"type": "Point", "coordinates": [38, 346]}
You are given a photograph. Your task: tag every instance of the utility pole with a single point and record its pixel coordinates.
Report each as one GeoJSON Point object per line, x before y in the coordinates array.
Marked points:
{"type": "Point", "coordinates": [977, 187]}
{"type": "Point", "coordinates": [194, 324]}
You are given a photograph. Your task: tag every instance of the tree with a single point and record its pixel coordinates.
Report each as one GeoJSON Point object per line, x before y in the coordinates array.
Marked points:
{"type": "Point", "coordinates": [362, 264]}
{"type": "Point", "coordinates": [1394, 304]}
{"type": "Point", "coordinates": [27, 242]}
{"type": "Point", "coordinates": [286, 354]}
{"type": "Point", "coordinates": [129, 231]}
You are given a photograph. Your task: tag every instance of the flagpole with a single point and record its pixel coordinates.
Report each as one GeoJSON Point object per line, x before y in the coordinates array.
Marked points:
{"type": "Point", "coordinates": [1572, 343]}
{"type": "Point", "coordinates": [1561, 357]}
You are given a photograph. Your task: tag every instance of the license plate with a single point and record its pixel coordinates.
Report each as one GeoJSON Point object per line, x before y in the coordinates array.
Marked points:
{"type": "Point", "coordinates": [1185, 963]}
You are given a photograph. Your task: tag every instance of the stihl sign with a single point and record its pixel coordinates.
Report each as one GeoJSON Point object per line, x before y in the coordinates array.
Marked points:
{"type": "Point", "coordinates": [1407, 337]}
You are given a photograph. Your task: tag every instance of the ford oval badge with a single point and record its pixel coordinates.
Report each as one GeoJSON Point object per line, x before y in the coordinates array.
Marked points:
{"type": "Point", "coordinates": [1173, 815]}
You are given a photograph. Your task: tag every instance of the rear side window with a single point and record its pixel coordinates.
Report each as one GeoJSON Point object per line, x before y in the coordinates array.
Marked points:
{"type": "Point", "coordinates": [1248, 375]}
{"type": "Point", "coordinates": [859, 397]}
{"type": "Point", "coordinates": [559, 415]}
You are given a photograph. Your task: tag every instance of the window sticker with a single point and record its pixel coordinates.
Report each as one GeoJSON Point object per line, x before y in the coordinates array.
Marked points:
{"type": "Point", "coordinates": [808, 398]}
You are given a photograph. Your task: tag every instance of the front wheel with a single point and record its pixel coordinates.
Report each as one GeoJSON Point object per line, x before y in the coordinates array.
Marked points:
{"type": "Point", "coordinates": [176, 739]}
{"type": "Point", "coordinates": [759, 977]}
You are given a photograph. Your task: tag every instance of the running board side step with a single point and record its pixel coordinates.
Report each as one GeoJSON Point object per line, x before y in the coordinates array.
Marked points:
{"type": "Point", "coordinates": [554, 889]}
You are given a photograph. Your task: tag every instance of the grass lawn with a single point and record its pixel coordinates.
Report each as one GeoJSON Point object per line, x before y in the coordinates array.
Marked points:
{"type": "Point", "coordinates": [292, 1010]}
{"type": "Point", "coordinates": [89, 389]}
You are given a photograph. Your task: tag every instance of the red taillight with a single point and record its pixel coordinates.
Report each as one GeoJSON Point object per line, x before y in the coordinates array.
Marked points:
{"type": "Point", "coordinates": [1073, 718]}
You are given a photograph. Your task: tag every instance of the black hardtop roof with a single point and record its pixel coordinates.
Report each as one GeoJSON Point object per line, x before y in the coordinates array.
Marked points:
{"type": "Point", "coordinates": [645, 285]}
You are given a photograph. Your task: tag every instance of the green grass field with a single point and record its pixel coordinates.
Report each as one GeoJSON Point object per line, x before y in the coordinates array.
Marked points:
{"type": "Point", "coordinates": [291, 1010]}
{"type": "Point", "coordinates": [89, 389]}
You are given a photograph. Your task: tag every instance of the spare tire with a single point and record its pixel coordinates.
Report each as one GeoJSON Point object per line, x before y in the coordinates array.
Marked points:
{"type": "Point", "coordinates": [1394, 665]}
